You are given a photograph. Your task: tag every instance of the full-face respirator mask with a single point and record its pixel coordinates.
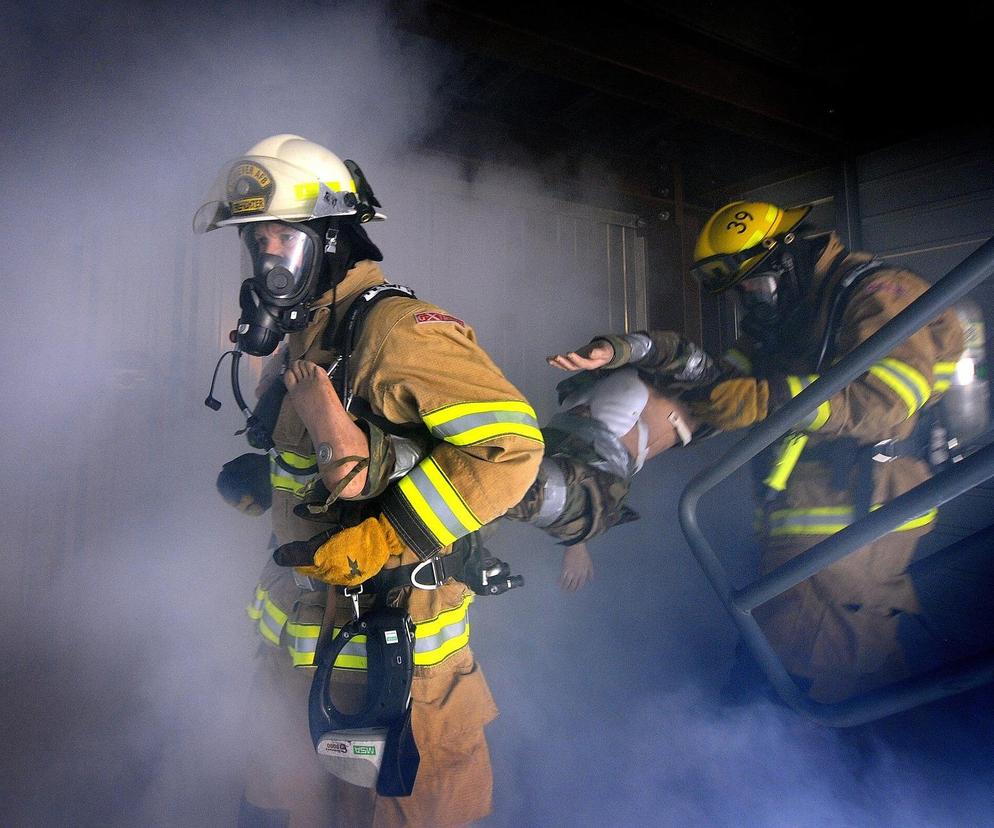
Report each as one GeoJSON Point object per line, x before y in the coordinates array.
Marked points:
{"type": "Point", "coordinates": [283, 263]}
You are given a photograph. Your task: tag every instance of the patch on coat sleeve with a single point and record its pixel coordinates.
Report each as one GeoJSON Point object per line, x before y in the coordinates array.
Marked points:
{"type": "Point", "coordinates": [433, 316]}
{"type": "Point", "coordinates": [886, 286]}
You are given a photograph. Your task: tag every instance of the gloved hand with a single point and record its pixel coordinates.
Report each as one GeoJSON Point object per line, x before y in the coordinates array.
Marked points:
{"type": "Point", "coordinates": [344, 556]}
{"type": "Point", "coordinates": [730, 404]}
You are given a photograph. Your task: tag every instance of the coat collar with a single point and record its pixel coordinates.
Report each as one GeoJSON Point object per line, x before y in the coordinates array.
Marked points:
{"type": "Point", "coordinates": [307, 343]}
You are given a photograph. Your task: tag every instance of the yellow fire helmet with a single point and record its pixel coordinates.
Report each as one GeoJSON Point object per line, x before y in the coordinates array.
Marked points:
{"type": "Point", "coordinates": [738, 237]}
{"type": "Point", "coordinates": [286, 178]}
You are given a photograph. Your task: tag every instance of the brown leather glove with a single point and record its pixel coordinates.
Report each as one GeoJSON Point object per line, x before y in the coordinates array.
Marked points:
{"type": "Point", "coordinates": [731, 404]}
{"type": "Point", "coordinates": [347, 556]}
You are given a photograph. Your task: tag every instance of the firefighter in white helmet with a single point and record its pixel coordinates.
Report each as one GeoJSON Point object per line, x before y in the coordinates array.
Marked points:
{"type": "Point", "coordinates": [415, 442]}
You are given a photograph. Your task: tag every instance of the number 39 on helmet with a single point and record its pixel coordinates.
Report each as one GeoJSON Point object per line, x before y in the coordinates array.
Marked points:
{"type": "Point", "coordinates": [738, 238]}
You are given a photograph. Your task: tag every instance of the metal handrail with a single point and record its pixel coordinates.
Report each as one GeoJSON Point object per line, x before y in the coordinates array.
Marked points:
{"type": "Point", "coordinates": [964, 475]}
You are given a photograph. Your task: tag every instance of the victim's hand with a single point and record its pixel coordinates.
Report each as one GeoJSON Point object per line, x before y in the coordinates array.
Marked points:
{"type": "Point", "coordinates": [578, 568]}
{"type": "Point", "coordinates": [588, 358]}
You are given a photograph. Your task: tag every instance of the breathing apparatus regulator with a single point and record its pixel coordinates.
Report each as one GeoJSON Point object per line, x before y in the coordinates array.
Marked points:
{"type": "Point", "coordinates": [299, 210]}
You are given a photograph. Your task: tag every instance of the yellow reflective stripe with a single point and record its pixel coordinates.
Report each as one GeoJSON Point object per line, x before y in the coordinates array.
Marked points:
{"type": "Point", "coordinates": [353, 654]}
{"type": "Point", "coordinates": [272, 621]}
{"type": "Point", "coordinates": [783, 466]}
{"type": "Point", "coordinates": [280, 478]}
{"type": "Point", "coordinates": [441, 636]}
{"type": "Point", "coordinates": [452, 497]}
{"type": "Point", "coordinates": [254, 609]}
{"type": "Point", "coordinates": [298, 461]}
{"type": "Point", "coordinates": [737, 359]}
{"type": "Point", "coordinates": [827, 520]}
{"type": "Point", "coordinates": [310, 189]}
{"type": "Point", "coordinates": [904, 381]}
{"type": "Point", "coordinates": [914, 523]}
{"type": "Point", "coordinates": [439, 416]}
{"type": "Point", "coordinates": [796, 386]}
{"type": "Point", "coordinates": [437, 503]}
{"type": "Point", "coordinates": [302, 643]}
{"type": "Point", "coordinates": [464, 424]}
{"type": "Point", "coordinates": [942, 374]}
{"type": "Point", "coordinates": [489, 432]}
{"type": "Point", "coordinates": [450, 412]}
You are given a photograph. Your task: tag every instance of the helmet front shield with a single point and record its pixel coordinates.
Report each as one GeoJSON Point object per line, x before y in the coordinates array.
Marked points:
{"type": "Point", "coordinates": [718, 273]}
{"type": "Point", "coordinates": [263, 188]}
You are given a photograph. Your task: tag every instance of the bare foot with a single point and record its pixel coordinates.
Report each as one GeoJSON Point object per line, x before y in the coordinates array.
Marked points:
{"type": "Point", "coordinates": [327, 421]}
{"type": "Point", "coordinates": [312, 393]}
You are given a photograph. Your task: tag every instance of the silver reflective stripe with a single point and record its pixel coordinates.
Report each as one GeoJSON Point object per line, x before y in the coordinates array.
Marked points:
{"type": "Point", "coordinates": [553, 493]}
{"type": "Point", "coordinates": [483, 418]}
{"type": "Point", "coordinates": [447, 633]}
{"type": "Point", "coordinates": [433, 498]}
{"type": "Point", "coordinates": [303, 644]}
{"type": "Point", "coordinates": [354, 648]}
{"type": "Point", "coordinates": [274, 626]}
{"type": "Point", "coordinates": [901, 376]}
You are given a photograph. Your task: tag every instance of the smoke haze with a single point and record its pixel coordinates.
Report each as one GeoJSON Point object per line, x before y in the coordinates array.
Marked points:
{"type": "Point", "coordinates": [127, 655]}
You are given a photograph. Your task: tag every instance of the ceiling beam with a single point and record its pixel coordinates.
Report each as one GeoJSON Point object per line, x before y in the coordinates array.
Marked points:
{"type": "Point", "coordinates": [621, 58]}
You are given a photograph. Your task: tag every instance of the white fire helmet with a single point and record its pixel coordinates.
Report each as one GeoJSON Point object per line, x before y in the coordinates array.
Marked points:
{"type": "Point", "coordinates": [287, 178]}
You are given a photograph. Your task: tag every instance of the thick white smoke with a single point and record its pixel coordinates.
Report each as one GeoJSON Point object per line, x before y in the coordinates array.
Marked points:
{"type": "Point", "coordinates": [127, 654]}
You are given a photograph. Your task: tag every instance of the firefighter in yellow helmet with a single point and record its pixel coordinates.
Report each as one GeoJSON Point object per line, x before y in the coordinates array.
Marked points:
{"type": "Point", "coordinates": [415, 441]}
{"type": "Point", "coordinates": [808, 302]}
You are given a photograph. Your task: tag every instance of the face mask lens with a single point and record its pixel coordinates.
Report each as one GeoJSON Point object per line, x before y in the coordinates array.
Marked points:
{"type": "Point", "coordinates": [280, 258]}
{"type": "Point", "coordinates": [759, 291]}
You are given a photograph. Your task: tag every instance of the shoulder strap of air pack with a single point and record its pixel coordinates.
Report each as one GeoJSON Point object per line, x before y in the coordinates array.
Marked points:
{"type": "Point", "coordinates": [841, 297]}
{"type": "Point", "coordinates": [344, 339]}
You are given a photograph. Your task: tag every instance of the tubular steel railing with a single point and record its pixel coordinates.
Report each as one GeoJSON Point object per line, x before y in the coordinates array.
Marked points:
{"type": "Point", "coordinates": [950, 483]}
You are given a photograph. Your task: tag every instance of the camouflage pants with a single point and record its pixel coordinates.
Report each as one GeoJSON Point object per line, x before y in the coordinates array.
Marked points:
{"type": "Point", "coordinates": [594, 502]}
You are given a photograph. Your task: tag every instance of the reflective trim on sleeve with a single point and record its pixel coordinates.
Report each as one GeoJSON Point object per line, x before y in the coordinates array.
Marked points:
{"type": "Point", "coordinates": [909, 384]}
{"type": "Point", "coordinates": [465, 424]}
{"type": "Point", "coordinates": [437, 639]}
{"type": "Point", "coordinates": [820, 417]}
{"type": "Point", "coordinates": [281, 479]}
{"type": "Point", "coordinates": [271, 622]}
{"type": "Point", "coordinates": [353, 654]}
{"type": "Point", "coordinates": [302, 641]}
{"type": "Point", "coordinates": [942, 374]}
{"type": "Point", "coordinates": [787, 457]}
{"type": "Point", "coordinates": [435, 501]}
{"type": "Point", "coordinates": [738, 360]}
{"type": "Point", "coordinates": [254, 609]}
{"type": "Point", "coordinates": [827, 520]}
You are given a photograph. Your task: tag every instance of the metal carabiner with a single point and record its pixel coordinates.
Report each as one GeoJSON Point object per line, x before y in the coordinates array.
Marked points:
{"type": "Point", "coordinates": [353, 593]}
{"type": "Point", "coordinates": [433, 561]}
